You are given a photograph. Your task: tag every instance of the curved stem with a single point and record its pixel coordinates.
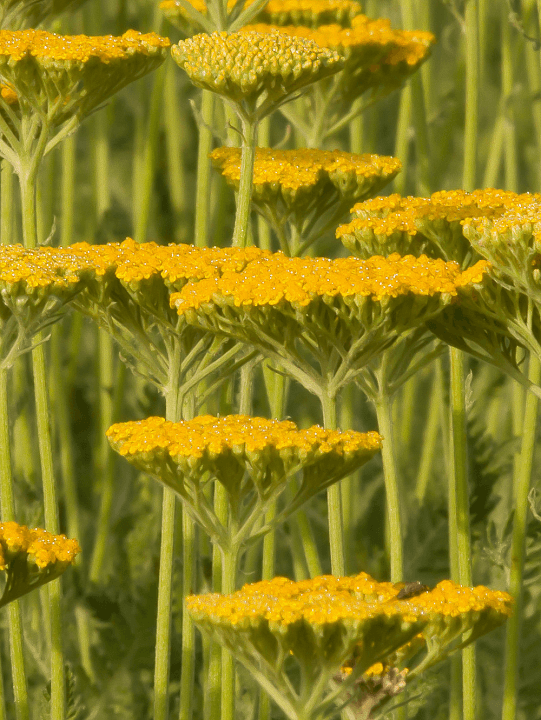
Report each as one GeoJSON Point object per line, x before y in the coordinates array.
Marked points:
{"type": "Point", "coordinates": [244, 195]}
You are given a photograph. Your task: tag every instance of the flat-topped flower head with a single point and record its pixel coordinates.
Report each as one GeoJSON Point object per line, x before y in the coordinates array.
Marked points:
{"type": "Point", "coordinates": [256, 71]}
{"type": "Point", "coordinates": [328, 623]}
{"type": "Point", "coordinates": [322, 319]}
{"type": "Point", "coordinates": [307, 188]}
{"type": "Point", "coordinates": [375, 54]}
{"type": "Point", "coordinates": [31, 557]}
{"type": "Point", "coordinates": [129, 296]}
{"type": "Point", "coordinates": [35, 287]}
{"type": "Point", "coordinates": [433, 225]}
{"type": "Point", "coordinates": [252, 458]}
{"type": "Point", "coordinates": [64, 76]}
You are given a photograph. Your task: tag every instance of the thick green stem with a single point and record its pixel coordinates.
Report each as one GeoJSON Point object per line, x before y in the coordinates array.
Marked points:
{"type": "Point", "coordinates": [430, 437]}
{"type": "Point", "coordinates": [175, 120]}
{"type": "Point", "coordinates": [385, 426]}
{"type": "Point", "coordinates": [459, 516]}
{"type": "Point", "coordinates": [202, 192]}
{"type": "Point", "coordinates": [402, 142]}
{"type": "Point", "coordinates": [334, 498]}
{"type": "Point", "coordinates": [148, 167]}
{"type": "Point", "coordinates": [263, 227]}
{"type": "Point", "coordinates": [518, 543]}
{"type": "Point", "coordinates": [244, 195]}
{"type": "Point", "coordinates": [165, 579]}
{"type": "Point", "coordinates": [472, 94]}
{"type": "Point", "coordinates": [229, 574]}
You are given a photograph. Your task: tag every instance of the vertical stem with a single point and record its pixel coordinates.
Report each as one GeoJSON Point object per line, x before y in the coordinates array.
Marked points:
{"type": "Point", "coordinates": [459, 516]}
{"type": "Point", "coordinates": [244, 195]}
{"type": "Point", "coordinates": [521, 489]}
{"type": "Point", "coordinates": [202, 192]}
{"type": "Point", "coordinates": [142, 211]}
{"type": "Point", "coordinates": [263, 228]}
{"type": "Point", "coordinates": [385, 426]}
{"type": "Point", "coordinates": [402, 142]}
{"type": "Point", "coordinates": [229, 574]}
{"type": "Point", "coordinates": [511, 163]}
{"type": "Point", "coordinates": [472, 94]}
{"type": "Point", "coordinates": [165, 578]}
{"type": "Point", "coordinates": [356, 134]}
{"type": "Point", "coordinates": [7, 504]}
{"type": "Point", "coordinates": [334, 497]}
{"type": "Point", "coordinates": [175, 120]}
{"type": "Point", "coordinates": [58, 690]}
{"type": "Point", "coordinates": [430, 437]}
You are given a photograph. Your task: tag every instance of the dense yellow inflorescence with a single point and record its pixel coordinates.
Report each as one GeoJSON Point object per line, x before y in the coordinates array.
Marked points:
{"type": "Point", "coordinates": [302, 168]}
{"type": "Point", "coordinates": [386, 215]}
{"type": "Point", "coordinates": [208, 434]}
{"type": "Point", "coordinates": [242, 65]}
{"type": "Point", "coordinates": [328, 599]}
{"type": "Point", "coordinates": [17, 45]}
{"type": "Point", "coordinates": [388, 45]}
{"type": "Point", "coordinates": [43, 267]}
{"type": "Point", "coordinates": [43, 547]}
{"type": "Point", "coordinates": [273, 279]}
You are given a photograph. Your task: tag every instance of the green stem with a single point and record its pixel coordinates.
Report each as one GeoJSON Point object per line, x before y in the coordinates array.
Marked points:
{"type": "Point", "coordinates": [356, 134]}
{"type": "Point", "coordinates": [472, 94]}
{"type": "Point", "coordinates": [385, 426]}
{"type": "Point", "coordinates": [518, 543]}
{"type": "Point", "coordinates": [202, 192]}
{"type": "Point", "coordinates": [7, 503]}
{"type": "Point", "coordinates": [459, 515]}
{"type": "Point", "coordinates": [508, 52]}
{"type": "Point", "coordinates": [430, 437]}
{"type": "Point", "coordinates": [334, 498]}
{"type": "Point", "coordinates": [402, 142]}
{"type": "Point", "coordinates": [148, 169]}
{"type": "Point", "coordinates": [175, 121]}
{"type": "Point", "coordinates": [229, 574]}
{"type": "Point", "coordinates": [68, 190]}
{"type": "Point", "coordinates": [165, 579]}
{"type": "Point", "coordinates": [188, 628]}
{"type": "Point", "coordinates": [263, 228]}
{"type": "Point", "coordinates": [244, 195]}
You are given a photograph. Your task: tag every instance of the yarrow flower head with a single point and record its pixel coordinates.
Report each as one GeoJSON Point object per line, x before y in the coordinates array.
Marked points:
{"type": "Point", "coordinates": [433, 225]}
{"type": "Point", "coordinates": [62, 77]}
{"type": "Point", "coordinates": [251, 457]}
{"type": "Point", "coordinates": [324, 622]}
{"type": "Point", "coordinates": [286, 307]}
{"type": "Point", "coordinates": [130, 275]}
{"type": "Point", "coordinates": [35, 286]}
{"type": "Point", "coordinates": [375, 54]}
{"type": "Point", "coordinates": [30, 558]}
{"type": "Point", "coordinates": [298, 186]}
{"type": "Point", "coordinates": [256, 71]}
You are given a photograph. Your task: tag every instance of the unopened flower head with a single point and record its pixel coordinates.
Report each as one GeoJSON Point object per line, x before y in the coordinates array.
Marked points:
{"type": "Point", "coordinates": [304, 178]}
{"type": "Point", "coordinates": [31, 557]}
{"type": "Point", "coordinates": [257, 70]}
{"type": "Point", "coordinates": [251, 457]}
{"type": "Point", "coordinates": [65, 76]}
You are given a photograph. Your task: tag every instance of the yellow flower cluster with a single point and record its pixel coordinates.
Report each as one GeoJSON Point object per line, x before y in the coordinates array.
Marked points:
{"type": "Point", "coordinates": [374, 52]}
{"type": "Point", "coordinates": [134, 262]}
{"type": "Point", "coordinates": [19, 44]}
{"type": "Point", "coordinates": [39, 545]}
{"type": "Point", "coordinates": [43, 267]}
{"type": "Point", "coordinates": [293, 170]}
{"type": "Point", "coordinates": [298, 281]}
{"type": "Point", "coordinates": [243, 65]}
{"type": "Point", "coordinates": [326, 600]}
{"type": "Point", "coordinates": [212, 435]}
